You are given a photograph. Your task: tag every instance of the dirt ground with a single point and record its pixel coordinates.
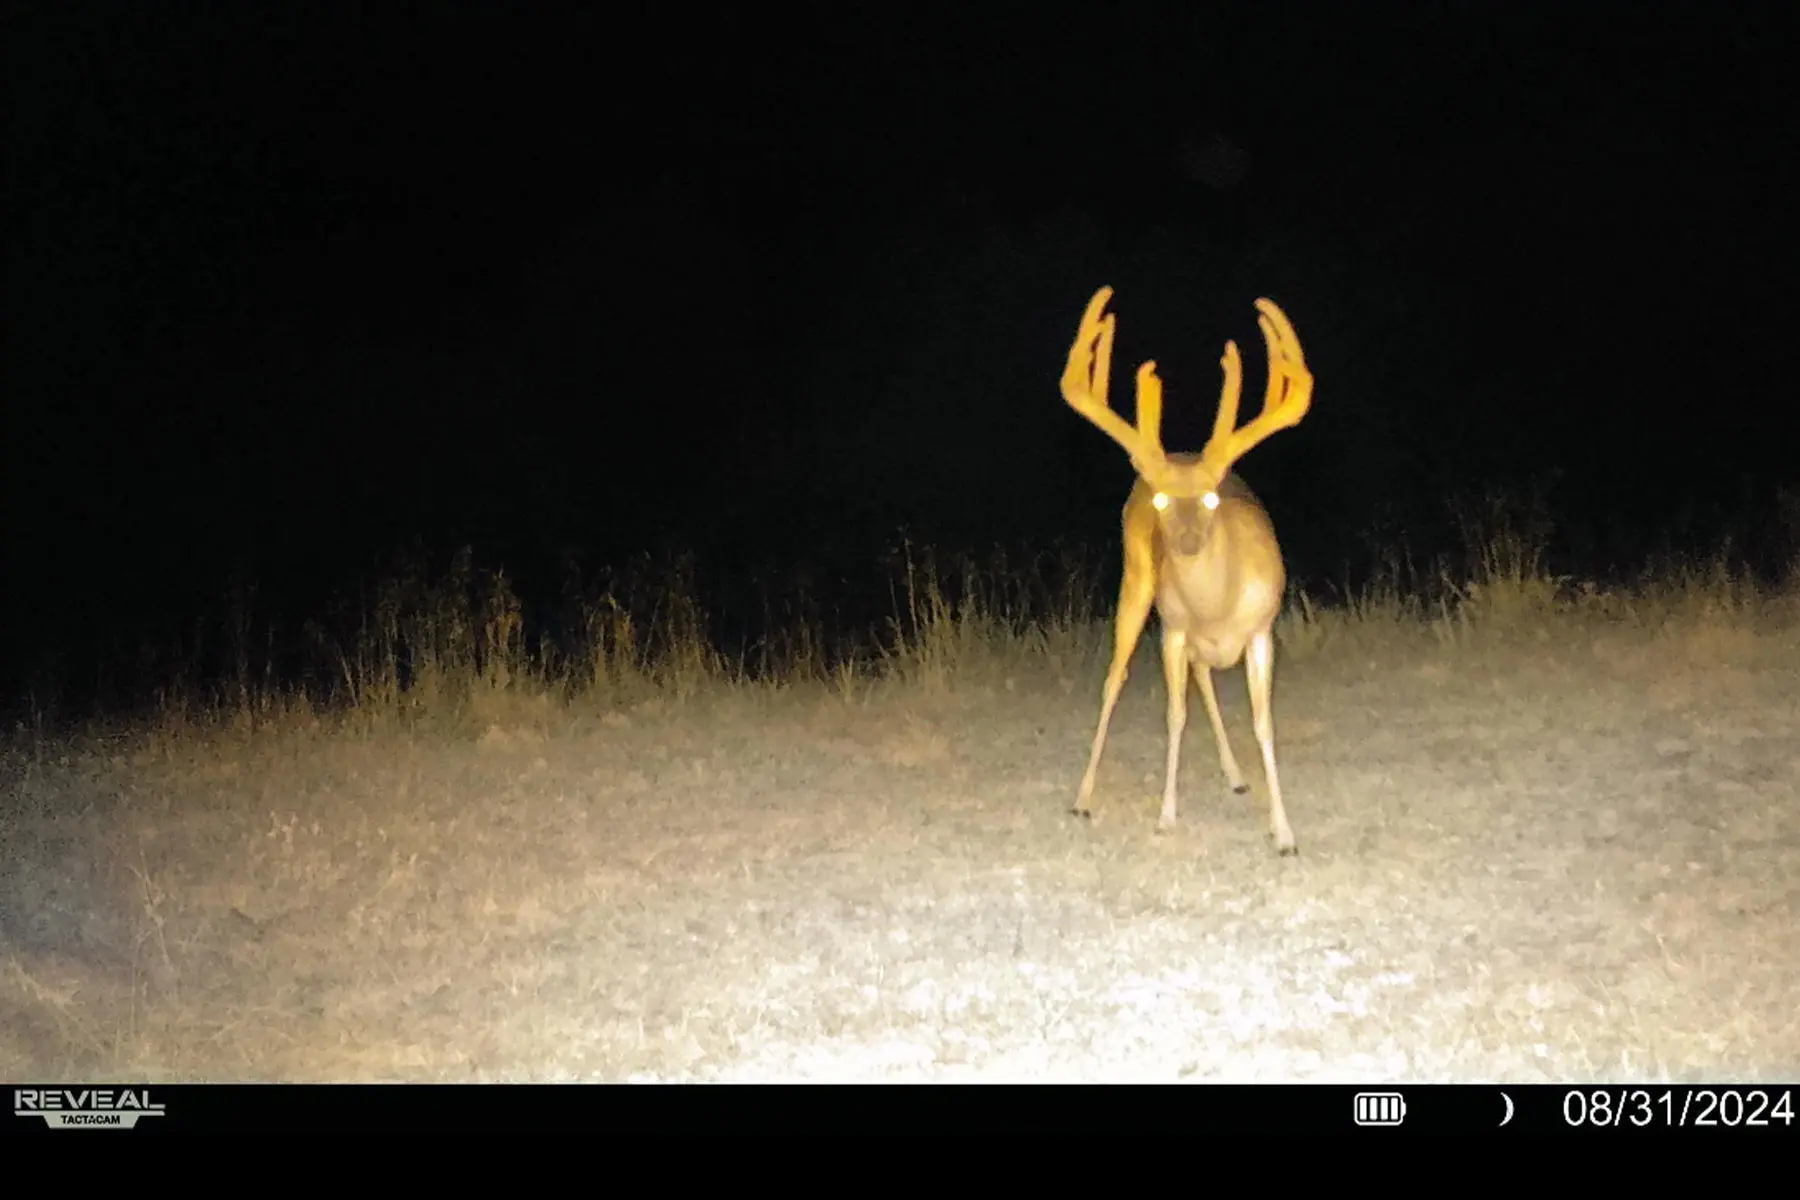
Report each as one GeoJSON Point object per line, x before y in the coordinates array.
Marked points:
{"type": "Point", "coordinates": [1564, 859]}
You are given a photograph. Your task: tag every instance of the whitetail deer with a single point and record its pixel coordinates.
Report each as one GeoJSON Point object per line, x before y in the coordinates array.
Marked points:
{"type": "Point", "coordinates": [1198, 545]}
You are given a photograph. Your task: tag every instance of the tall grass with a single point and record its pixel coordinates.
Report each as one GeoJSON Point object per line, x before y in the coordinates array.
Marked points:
{"type": "Point", "coordinates": [987, 619]}
{"type": "Point", "coordinates": [456, 647]}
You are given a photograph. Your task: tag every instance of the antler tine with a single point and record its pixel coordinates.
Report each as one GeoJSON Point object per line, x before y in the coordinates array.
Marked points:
{"type": "Point", "coordinates": [1285, 400]}
{"type": "Point", "coordinates": [1284, 345]}
{"type": "Point", "coordinates": [1149, 404]}
{"type": "Point", "coordinates": [1085, 382]}
{"type": "Point", "coordinates": [1226, 420]}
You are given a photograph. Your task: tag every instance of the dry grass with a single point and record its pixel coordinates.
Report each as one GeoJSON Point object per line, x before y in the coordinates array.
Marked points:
{"type": "Point", "coordinates": [1548, 832]}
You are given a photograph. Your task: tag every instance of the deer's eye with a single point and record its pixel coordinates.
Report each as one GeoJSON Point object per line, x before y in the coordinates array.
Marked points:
{"type": "Point", "coordinates": [1210, 500]}
{"type": "Point", "coordinates": [1160, 501]}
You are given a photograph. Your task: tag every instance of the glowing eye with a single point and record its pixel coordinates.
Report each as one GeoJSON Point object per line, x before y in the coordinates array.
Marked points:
{"type": "Point", "coordinates": [1160, 501]}
{"type": "Point", "coordinates": [1210, 500]}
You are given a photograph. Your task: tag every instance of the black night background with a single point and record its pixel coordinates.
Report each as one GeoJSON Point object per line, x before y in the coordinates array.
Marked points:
{"type": "Point", "coordinates": [293, 291]}
{"type": "Point", "coordinates": [549, 544]}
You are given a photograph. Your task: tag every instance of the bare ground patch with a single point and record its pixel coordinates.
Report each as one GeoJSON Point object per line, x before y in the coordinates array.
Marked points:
{"type": "Point", "coordinates": [1569, 860]}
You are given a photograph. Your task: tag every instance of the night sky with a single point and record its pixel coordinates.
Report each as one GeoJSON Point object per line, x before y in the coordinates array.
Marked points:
{"type": "Point", "coordinates": [294, 288]}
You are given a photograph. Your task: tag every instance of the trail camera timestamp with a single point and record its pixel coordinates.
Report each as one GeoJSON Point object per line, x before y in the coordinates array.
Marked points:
{"type": "Point", "coordinates": [1679, 1108]}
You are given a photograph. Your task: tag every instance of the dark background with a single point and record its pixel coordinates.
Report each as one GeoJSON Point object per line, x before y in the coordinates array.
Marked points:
{"type": "Point", "coordinates": [293, 288]}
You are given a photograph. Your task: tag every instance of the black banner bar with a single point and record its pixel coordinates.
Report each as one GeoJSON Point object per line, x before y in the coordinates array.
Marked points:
{"type": "Point", "coordinates": [1760, 1111]}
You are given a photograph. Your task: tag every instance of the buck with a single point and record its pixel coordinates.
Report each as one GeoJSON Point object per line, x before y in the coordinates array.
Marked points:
{"type": "Point", "coordinates": [1199, 546]}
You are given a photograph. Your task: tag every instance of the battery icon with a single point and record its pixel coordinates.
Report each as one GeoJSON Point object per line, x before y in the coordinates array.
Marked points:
{"type": "Point", "coordinates": [1380, 1108]}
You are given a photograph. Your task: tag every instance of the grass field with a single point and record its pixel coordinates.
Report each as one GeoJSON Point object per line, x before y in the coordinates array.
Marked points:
{"type": "Point", "coordinates": [1548, 832]}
